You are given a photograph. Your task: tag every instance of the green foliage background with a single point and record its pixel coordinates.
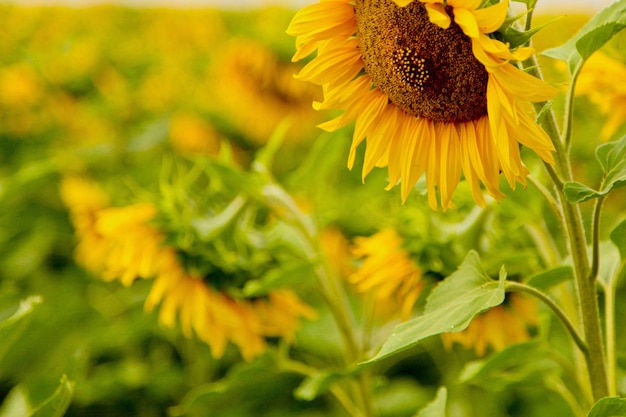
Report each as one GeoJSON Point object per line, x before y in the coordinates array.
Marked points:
{"type": "Point", "coordinates": [96, 90]}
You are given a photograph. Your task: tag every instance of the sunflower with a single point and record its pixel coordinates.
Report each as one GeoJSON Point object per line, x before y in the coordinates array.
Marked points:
{"type": "Point", "coordinates": [499, 327]}
{"type": "Point", "coordinates": [428, 87]}
{"type": "Point", "coordinates": [85, 199]}
{"type": "Point", "coordinates": [255, 91]}
{"type": "Point", "coordinates": [597, 81]}
{"type": "Point", "coordinates": [387, 272]}
{"type": "Point", "coordinates": [122, 243]}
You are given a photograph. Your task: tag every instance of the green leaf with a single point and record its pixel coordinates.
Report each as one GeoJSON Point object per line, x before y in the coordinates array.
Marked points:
{"type": "Point", "coordinates": [618, 236]}
{"type": "Point", "coordinates": [437, 407]}
{"type": "Point", "coordinates": [610, 263]}
{"type": "Point", "coordinates": [612, 158]}
{"type": "Point", "coordinates": [576, 192]}
{"type": "Point", "coordinates": [450, 307]}
{"type": "Point", "coordinates": [551, 277]}
{"type": "Point", "coordinates": [316, 385]}
{"type": "Point", "coordinates": [289, 275]}
{"type": "Point", "coordinates": [591, 37]}
{"type": "Point", "coordinates": [12, 327]}
{"type": "Point", "coordinates": [58, 402]}
{"type": "Point", "coordinates": [17, 402]}
{"type": "Point", "coordinates": [510, 366]}
{"type": "Point", "coordinates": [609, 407]}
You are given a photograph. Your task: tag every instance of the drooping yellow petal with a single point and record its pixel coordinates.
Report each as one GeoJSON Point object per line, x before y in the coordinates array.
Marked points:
{"type": "Point", "coordinates": [467, 21]}
{"type": "Point", "coordinates": [491, 18]}
{"type": "Point", "coordinates": [437, 14]}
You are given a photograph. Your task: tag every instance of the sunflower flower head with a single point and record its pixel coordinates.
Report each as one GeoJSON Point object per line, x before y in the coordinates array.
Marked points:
{"type": "Point", "coordinates": [387, 272]}
{"type": "Point", "coordinates": [429, 90]}
{"type": "Point", "coordinates": [124, 243]}
{"type": "Point", "coordinates": [502, 326]}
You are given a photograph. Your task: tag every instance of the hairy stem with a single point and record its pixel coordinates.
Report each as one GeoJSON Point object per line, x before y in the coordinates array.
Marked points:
{"type": "Point", "coordinates": [577, 244]}
{"type": "Point", "coordinates": [512, 286]}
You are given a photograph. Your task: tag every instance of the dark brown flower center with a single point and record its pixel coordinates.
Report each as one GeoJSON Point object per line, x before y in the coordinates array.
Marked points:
{"type": "Point", "coordinates": [425, 70]}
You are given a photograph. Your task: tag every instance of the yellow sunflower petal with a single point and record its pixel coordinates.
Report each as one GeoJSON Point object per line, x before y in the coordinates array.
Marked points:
{"type": "Point", "coordinates": [467, 21]}
{"type": "Point", "coordinates": [437, 14]}
{"type": "Point", "coordinates": [491, 18]}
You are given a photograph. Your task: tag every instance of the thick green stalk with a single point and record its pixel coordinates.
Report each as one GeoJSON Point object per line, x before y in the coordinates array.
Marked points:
{"type": "Point", "coordinates": [585, 287]}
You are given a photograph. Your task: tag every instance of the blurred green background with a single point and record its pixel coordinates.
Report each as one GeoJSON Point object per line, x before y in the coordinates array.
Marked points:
{"type": "Point", "coordinates": [116, 91]}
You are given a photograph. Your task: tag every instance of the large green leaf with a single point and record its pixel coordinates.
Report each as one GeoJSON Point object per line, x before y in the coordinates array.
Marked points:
{"type": "Point", "coordinates": [510, 366]}
{"type": "Point", "coordinates": [17, 402]}
{"type": "Point", "coordinates": [450, 308]}
{"type": "Point", "coordinates": [12, 327]}
{"type": "Point", "coordinates": [591, 37]}
{"type": "Point", "coordinates": [437, 407]}
{"type": "Point", "coordinates": [609, 407]}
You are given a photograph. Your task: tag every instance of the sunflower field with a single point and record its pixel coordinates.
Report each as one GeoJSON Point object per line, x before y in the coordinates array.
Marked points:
{"type": "Point", "coordinates": [368, 208]}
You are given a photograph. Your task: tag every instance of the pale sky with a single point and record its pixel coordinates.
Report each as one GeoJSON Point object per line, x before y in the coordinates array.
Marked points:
{"type": "Point", "coordinates": [563, 6]}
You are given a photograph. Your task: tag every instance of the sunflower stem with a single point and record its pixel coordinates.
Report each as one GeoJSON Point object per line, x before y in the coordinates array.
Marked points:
{"type": "Point", "coordinates": [577, 244]}
{"type": "Point", "coordinates": [332, 292]}
{"type": "Point", "coordinates": [595, 239]}
{"type": "Point", "coordinates": [609, 313]}
{"type": "Point", "coordinates": [569, 110]}
{"type": "Point", "coordinates": [512, 286]}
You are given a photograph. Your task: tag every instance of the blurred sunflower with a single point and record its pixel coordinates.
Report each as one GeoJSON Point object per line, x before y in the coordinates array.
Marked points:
{"type": "Point", "coordinates": [255, 91]}
{"type": "Point", "coordinates": [85, 200]}
{"type": "Point", "coordinates": [499, 327]}
{"type": "Point", "coordinates": [387, 272]}
{"type": "Point", "coordinates": [427, 86]}
{"type": "Point", "coordinates": [597, 81]}
{"type": "Point", "coordinates": [123, 243]}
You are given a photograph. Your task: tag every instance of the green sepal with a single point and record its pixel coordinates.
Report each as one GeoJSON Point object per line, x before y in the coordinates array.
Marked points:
{"type": "Point", "coordinates": [517, 38]}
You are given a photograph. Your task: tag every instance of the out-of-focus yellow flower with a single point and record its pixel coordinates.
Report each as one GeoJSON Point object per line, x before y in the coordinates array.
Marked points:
{"type": "Point", "coordinates": [84, 200]}
{"type": "Point", "coordinates": [79, 60]}
{"type": "Point", "coordinates": [387, 272]}
{"type": "Point", "coordinates": [603, 80]}
{"type": "Point", "coordinates": [255, 92]}
{"type": "Point", "coordinates": [134, 245]}
{"type": "Point", "coordinates": [337, 251]}
{"type": "Point", "coordinates": [217, 318]}
{"type": "Point", "coordinates": [214, 317]}
{"type": "Point", "coordinates": [191, 134]}
{"type": "Point", "coordinates": [280, 313]}
{"type": "Point", "coordinates": [20, 87]}
{"type": "Point", "coordinates": [121, 243]}
{"type": "Point", "coordinates": [499, 327]}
